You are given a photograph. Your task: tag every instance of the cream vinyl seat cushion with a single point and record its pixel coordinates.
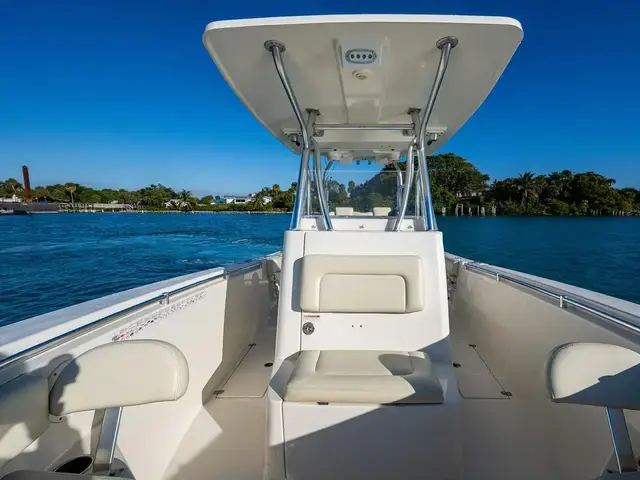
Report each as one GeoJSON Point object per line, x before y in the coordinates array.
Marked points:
{"type": "Point", "coordinates": [120, 374]}
{"type": "Point", "coordinates": [364, 376]}
{"type": "Point", "coordinates": [596, 374]}
{"type": "Point", "coordinates": [362, 284]}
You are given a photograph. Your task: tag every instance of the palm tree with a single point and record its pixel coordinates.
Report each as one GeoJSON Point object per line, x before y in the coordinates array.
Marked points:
{"type": "Point", "coordinates": [351, 187]}
{"type": "Point", "coordinates": [70, 187]}
{"type": "Point", "coordinates": [275, 189]}
{"type": "Point", "coordinates": [258, 200]}
{"type": "Point", "coordinates": [527, 185]}
{"type": "Point", "coordinates": [13, 185]}
{"type": "Point", "coordinates": [186, 201]}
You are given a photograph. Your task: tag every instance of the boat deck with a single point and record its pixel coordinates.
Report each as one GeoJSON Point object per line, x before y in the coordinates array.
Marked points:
{"type": "Point", "coordinates": [507, 430]}
{"type": "Point", "coordinates": [227, 438]}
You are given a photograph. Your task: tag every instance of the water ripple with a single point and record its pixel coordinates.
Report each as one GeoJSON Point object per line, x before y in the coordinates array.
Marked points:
{"type": "Point", "coordinates": [53, 261]}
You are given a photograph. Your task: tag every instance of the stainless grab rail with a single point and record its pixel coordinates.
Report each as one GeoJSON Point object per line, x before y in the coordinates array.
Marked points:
{"type": "Point", "coordinates": [103, 321]}
{"type": "Point", "coordinates": [563, 300]}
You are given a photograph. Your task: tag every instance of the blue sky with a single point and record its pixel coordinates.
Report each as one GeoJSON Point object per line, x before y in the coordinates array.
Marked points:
{"type": "Point", "coordinates": [123, 94]}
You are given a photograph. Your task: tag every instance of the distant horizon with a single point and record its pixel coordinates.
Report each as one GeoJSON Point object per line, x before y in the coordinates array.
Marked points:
{"type": "Point", "coordinates": [148, 105]}
{"type": "Point", "coordinates": [367, 171]}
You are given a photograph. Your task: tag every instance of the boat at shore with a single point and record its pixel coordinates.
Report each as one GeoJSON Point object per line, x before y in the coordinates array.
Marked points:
{"type": "Point", "coordinates": [362, 349]}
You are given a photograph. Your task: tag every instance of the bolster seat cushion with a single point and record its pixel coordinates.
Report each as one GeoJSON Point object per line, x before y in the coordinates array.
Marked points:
{"type": "Point", "coordinates": [120, 374]}
{"type": "Point", "coordinates": [596, 374]}
{"type": "Point", "coordinates": [364, 377]}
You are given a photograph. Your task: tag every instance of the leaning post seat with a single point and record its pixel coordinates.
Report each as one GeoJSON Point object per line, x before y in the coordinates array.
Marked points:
{"type": "Point", "coordinates": [363, 379]}
{"type": "Point", "coordinates": [363, 284]}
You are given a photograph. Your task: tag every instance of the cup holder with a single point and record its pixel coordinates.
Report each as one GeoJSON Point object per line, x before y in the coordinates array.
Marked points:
{"type": "Point", "coordinates": [78, 465]}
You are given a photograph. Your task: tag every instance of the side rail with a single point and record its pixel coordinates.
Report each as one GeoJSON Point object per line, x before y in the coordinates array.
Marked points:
{"type": "Point", "coordinates": [561, 297]}
{"type": "Point", "coordinates": [164, 298]}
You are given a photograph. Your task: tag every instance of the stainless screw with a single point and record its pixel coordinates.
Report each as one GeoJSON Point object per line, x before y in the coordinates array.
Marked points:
{"type": "Point", "coordinates": [308, 328]}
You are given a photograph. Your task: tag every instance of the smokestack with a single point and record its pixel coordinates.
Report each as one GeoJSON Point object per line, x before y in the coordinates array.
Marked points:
{"type": "Point", "coordinates": [27, 184]}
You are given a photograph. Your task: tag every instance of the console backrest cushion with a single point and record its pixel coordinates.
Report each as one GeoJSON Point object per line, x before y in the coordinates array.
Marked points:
{"type": "Point", "coordinates": [368, 291]}
{"type": "Point", "coordinates": [361, 284]}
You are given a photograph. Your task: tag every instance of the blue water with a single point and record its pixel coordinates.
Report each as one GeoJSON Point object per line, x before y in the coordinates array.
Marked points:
{"type": "Point", "coordinates": [53, 261]}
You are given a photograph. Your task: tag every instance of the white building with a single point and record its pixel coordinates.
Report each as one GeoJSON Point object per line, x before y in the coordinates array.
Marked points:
{"type": "Point", "coordinates": [239, 198]}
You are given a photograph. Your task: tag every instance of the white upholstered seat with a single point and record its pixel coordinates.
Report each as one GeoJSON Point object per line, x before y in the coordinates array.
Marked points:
{"type": "Point", "coordinates": [342, 211]}
{"type": "Point", "coordinates": [370, 377]}
{"type": "Point", "coordinates": [110, 376]}
{"type": "Point", "coordinates": [595, 374]}
{"type": "Point", "coordinates": [381, 211]}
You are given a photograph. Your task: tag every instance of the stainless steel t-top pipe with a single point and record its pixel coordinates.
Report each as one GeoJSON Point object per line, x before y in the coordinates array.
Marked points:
{"type": "Point", "coordinates": [276, 48]}
{"type": "Point", "coordinates": [445, 44]}
{"type": "Point", "coordinates": [324, 205]}
{"type": "Point", "coordinates": [407, 187]}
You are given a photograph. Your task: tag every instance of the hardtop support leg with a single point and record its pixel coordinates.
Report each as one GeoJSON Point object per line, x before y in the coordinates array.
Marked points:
{"type": "Point", "coordinates": [407, 187]}
{"type": "Point", "coordinates": [276, 49]}
{"type": "Point", "coordinates": [445, 44]}
{"type": "Point", "coordinates": [324, 208]}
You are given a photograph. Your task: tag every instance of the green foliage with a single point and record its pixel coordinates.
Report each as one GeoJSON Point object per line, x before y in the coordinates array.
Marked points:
{"type": "Point", "coordinates": [454, 180]}
{"type": "Point", "coordinates": [10, 187]}
{"type": "Point", "coordinates": [186, 201]}
{"type": "Point", "coordinates": [558, 207]}
{"type": "Point", "coordinates": [563, 193]}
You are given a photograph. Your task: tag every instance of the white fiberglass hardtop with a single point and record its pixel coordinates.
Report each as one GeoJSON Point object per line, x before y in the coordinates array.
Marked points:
{"type": "Point", "coordinates": [351, 87]}
{"type": "Point", "coordinates": [359, 70]}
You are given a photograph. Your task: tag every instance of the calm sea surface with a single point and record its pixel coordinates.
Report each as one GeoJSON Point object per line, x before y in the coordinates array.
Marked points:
{"type": "Point", "coordinates": [52, 261]}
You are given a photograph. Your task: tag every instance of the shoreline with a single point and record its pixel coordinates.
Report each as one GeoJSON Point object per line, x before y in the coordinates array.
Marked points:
{"type": "Point", "coordinates": [258, 212]}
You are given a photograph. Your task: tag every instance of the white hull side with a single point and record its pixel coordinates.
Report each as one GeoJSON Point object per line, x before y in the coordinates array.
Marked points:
{"type": "Point", "coordinates": [212, 324]}
{"type": "Point", "coordinates": [513, 331]}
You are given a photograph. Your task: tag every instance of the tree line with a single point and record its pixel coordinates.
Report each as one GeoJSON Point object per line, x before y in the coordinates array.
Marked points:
{"type": "Point", "coordinates": [153, 197]}
{"type": "Point", "coordinates": [454, 180]}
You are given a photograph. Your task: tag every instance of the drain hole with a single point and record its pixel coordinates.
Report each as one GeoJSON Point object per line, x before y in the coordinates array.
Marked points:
{"type": "Point", "coordinates": [76, 465]}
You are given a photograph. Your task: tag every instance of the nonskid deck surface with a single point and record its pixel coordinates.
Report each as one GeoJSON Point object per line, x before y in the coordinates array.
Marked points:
{"type": "Point", "coordinates": [510, 429]}
{"type": "Point", "coordinates": [227, 438]}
